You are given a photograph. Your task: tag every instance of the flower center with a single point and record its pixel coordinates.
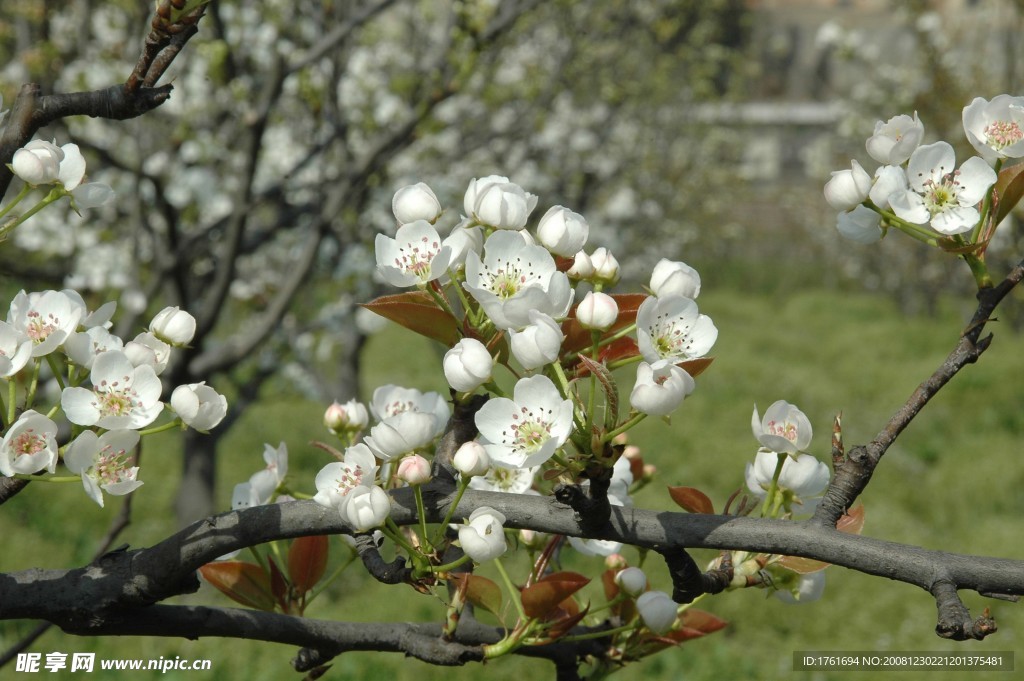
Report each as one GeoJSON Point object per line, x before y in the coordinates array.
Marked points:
{"type": "Point", "coordinates": [671, 337]}
{"type": "Point", "coordinates": [529, 431]}
{"type": "Point", "coordinates": [28, 443]}
{"type": "Point", "coordinates": [350, 479]}
{"type": "Point", "coordinates": [112, 466]}
{"type": "Point", "coordinates": [784, 429]}
{"type": "Point", "coordinates": [114, 400]}
{"type": "Point", "coordinates": [39, 328]}
{"type": "Point", "coordinates": [415, 258]}
{"type": "Point", "coordinates": [942, 195]}
{"type": "Point", "coordinates": [505, 283]}
{"type": "Point", "coordinates": [1001, 134]}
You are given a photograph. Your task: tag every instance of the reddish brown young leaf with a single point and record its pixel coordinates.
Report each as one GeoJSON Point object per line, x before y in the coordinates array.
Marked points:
{"type": "Point", "coordinates": [417, 311]}
{"type": "Point", "coordinates": [1009, 190]}
{"type": "Point", "coordinates": [480, 591]}
{"type": "Point", "coordinates": [696, 367]}
{"type": "Point", "coordinates": [546, 595]}
{"type": "Point", "coordinates": [702, 621]}
{"type": "Point", "coordinates": [691, 499]}
{"type": "Point", "coordinates": [279, 587]}
{"type": "Point", "coordinates": [307, 561]}
{"type": "Point", "coordinates": [608, 386]}
{"type": "Point", "coordinates": [244, 583]}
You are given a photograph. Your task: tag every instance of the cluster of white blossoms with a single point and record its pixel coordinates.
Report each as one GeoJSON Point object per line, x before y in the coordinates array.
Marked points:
{"type": "Point", "coordinates": [919, 188]}
{"type": "Point", "coordinates": [110, 389]}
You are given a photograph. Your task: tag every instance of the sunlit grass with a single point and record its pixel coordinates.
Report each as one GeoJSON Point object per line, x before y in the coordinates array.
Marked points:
{"type": "Point", "coordinates": [952, 481]}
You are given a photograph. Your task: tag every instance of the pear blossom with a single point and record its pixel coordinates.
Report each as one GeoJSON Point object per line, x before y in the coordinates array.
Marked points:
{"type": "Point", "coordinates": [805, 588]}
{"type": "Point", "coordinates": [38, 162]}
{"type": "Point", "coordinates": [471, 459]}
{"type": "Point", "coordinates": [784, 428]}
{"type": "Point", "coordinates": [671, 327]}
{"type": "Point", "coordinates": [597, 311]}
{"type": "Point", "coordinates": [848, 188]}
{"type": "Point", "coordinates": [660, 388]}
{"type": "Point", "coordinates": [147, 349]}
{"type": "Point", "coordinates": [15, 350]}
{"type": "Point", "coordinates": [657, 610]}
{"type": "Point", "coordinates": [539, 343]}
{"type": "Point", "coordinates": [103, 462]}
{"type": "Point", "coordinates": [631, 580]}
{"type": "Point", "coordinates": [896, 139]}
{"type": "Point", "coordinates": [173, 326]}
{"type": "Point", "coordinates": [861, 224]}
{"type": "Point", "coordinates": [994, 127]}
{"type": "Point", "coordinates": [606, 267]}
{"type": "Point", "coordinates": [582, 268]}
{"type": "Point", "coordinates": [415, 202]}
{"type": "Point", "coordinates": [802, 478]}
{"type": "Point", "coordinates": [350, 417]}
{"type": "Point", "coordinates": [414, 470]}
{"type": "Point", "coordinates": [562, 231]}
{"type": "Point", "coordinates": [414, 257]}
{"type": "Point", "coordinates": [514, 278]}
{"type": "Point", "coordinates": [122, 395]}
{"type": "Point", "coordinates": [365, 508]}
{"type": "Point", "coordinates": [526, 430]}
{"type": "Point", "coordinates": [392, 400]}
{"type": "Point", "coordinates": [29, 445]}
{"type": "Point", "coordinates": [468, 365]}
{"type": "Point", "coordinates": [358, 468]}
{"type": "Point", "coordinates": [98, 317]}
{"type": "Point", "coordinates": [500, 478]}
{"type": "Point", "coordinates": [483, 537]}
{"type": "Point", "coordinates": [265, 482]}
{"type": "Point", "coordinates": [72, 167]}
{"type": "Point", "coordinates": [82, 347]}
{"type": "Point", "coordinates": [401, 434]}
{"type": "Point", "coordinates": [671, 277]}
{"type": "Point", "coordinates": [462, 240]}
{"type": "Point", "coordinates": [47, 318]}
{"type": "Point", "coordinates": [199, 406]}
{"type": "Point", "coordinates": [496, 202]}
{"type": "Point", "coordinates": [940, 196]}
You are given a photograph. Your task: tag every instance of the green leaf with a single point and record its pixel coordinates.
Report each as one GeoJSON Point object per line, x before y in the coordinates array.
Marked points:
{"type": "Point", "coordinates": [417, 311]}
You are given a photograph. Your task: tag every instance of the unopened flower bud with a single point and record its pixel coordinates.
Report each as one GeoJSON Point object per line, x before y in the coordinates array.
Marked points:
{"type": "Point", "coordinates": [597, 311]}
{"type": "Point", "coordinates": [173, 326]}
{"type": "Point", "coordinates": [415, 202]}
{"type": "Point", "coordinates": [350, 417]}
{"type": "Point", "coordinates": [414, 470]}
{"type": "Point", "coordinates": [582, 267]}
{"type": "Point", "coordinates": [615, 561]}
{"type": "Point", "coordinates": [632, 580]}
{"type": "Point", "coordinates": [606, 267]}
{"type": "Point", "coordinates": [657, 610]}
{"type": "Point", "coordinates": [471, 459]}
{"type": "Point", "coordinates": [562, 231]}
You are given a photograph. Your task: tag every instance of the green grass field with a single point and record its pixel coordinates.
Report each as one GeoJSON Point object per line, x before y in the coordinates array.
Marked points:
{"type": "Point", "coordinates": [952, 481]}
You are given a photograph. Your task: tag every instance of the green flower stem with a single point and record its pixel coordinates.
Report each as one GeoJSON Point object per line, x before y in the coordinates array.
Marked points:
{"type": "Point", "coordinates": [33, 384]}
{"type": "Point", "coordinates": [495, 389]}
{"type": "Point", "coordinates": [448, 567]}
{"type": "Point", "coordinates": [463, 486]}
{"type": "Point", "coordinates": [159, 429]}
{"type": "Point", "coordinates": [595, 337]}
{"type": "Point", "coordinates": [417, 491]}
{"type": "Point", "coordinates": [632, 421]}
{"type": "Point", "coordinates": [55, 193]}
{"type": "Point", "coordinates": [52, 361]}
{"type": "Point", "coordinates": [511, 642]}
{"type": "Point", "coordinates": [986, 207]}
{"type": "Point", "coordinates": [300, 495]}
{"type": "Point", "coordinates": [4, 422]}
{"type": "Point", "coordinates": [513, 592]}
{"type": "Point", "coordinates": [51, 478]}
{"type": "Point", "coordinates": [333, 576]}
{"type": "Point", "coordinates": [979, 270]}
{"type": "Point", "coordinates": [560, 378]}
{"type": "Point", "coordinates": [914, 231]}
{"type": "Point", "coordinates": [441, 301]}
{"type": "Point", "coordinates": [260, 560]}
{"type": "Point", "coordinates": [14, 202]}
{"type": "Point", "coordinates": [625, 361]}
{"type": "Point", "coordinates": [774, 486]}
{"type": "Point", "coordinates": [392, 532]}
{"type": "Point", "coordinates": [603, 633]}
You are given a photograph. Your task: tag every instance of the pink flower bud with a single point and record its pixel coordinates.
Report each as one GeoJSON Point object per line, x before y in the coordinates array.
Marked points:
{"type": "Point", "coordinates": [471, 459]}
{"type": "Point", "coordinates": [414, 470]}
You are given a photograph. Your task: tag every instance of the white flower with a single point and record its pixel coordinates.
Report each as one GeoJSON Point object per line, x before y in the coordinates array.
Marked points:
{"type": "Point", "coordinates": [632, 580]}
{"type": "Point", "coordinates": [338, 478]}
{"type": "Point", "coordinates": [38, 162]}
{"type": "Point", "coordinates": [462, 240]}
{"type": "Point", "coordinates": [657, 610]}
{"type": "Point", "coordinates": [82, 347]}
{"type": "Point", "coordinates": [861, 224]}
{"type": "Point", "coordinates": [468, 365]}
{"type": "Point", "coordinates": [888, 180]}
{"type": "Point", "coordinates": [940, 196]}
{"type": "Point", "coordinates": [582, 267]}
{"type": "Point", "coordinates": [15, 350]}
{"type": "Point", "coordinates": [471, 459]}
{"type": "Point", "coordinates": [103, 462]}
{"type": "Point", "coordinates": [848, 188]}
{"type": "Point", "coordinates": [675, 278]}
{"type": "Point", "coordinates": [562, 231]}
{"type": "Point", "coordinates": [539, 343]}
{"type": "Point", "coordinates": [483, 538]}
{"type": "Point", "coordinates": [802, 475]}
{"type": "Point", "coordinates": [199, 406]}
{"type": "Point", "coordinates": [350, 417]}
{"type": "Point", "coordinates": [526, 430]}
{"type": "Point", "coordinates": [499, 478]}
{"type": "Point", "coordinates": [994, 128]}
{"type": "Point", "coordinates": [807, 588]}
{"type": "Point", "coordinates": [392, 400]}
{"type": "Point", "coordinates": [783, 429]}
{"type": "Point", "coordinates": [29, 445]}
{"type": "Point", "coordinates": [414, 470]}
{"type": "Point", "coordinates": [498, 203]}
{"type": "Point", "coordinates": [173, 326]}
{"type": "Point", "coordinates": [896, 139]}
{"type": "Point", "coordinates": [72, 167]}
{"type": "Point", "coordinates": [671, 327]}
{"type": "Point", "coordinates": [415, 202]}
{"type": "Point", "coordinates": [265, 482]}
{"type": "Point", "coordinates": [414, 257]}
{"type": "Point", "coordinates": [401, 434]}
{"type": "Point", "coordinates": [365, 508]}
{"type": "Point", "coordinates": [597, 311]}
{"type": "Point", "coordinates": [47, 318]}
{"type": "Point", "coordinates": [660, 388]}
{"type": "Point", "coordinates": [606, 267]}
{"type": "Point", "coordinates": [122, 395]}
{"type": "Point", "coordinates": [147, 349]}
{"type": "Point", "coordinates": [514, 278]}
